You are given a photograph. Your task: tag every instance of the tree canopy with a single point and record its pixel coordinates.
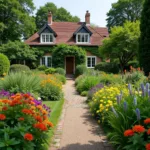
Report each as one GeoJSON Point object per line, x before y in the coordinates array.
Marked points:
{"type": "Point", "coordinates": [124, 10]}
{"type": "Point", "coordinates": [18, 51]}
{"type": "Point", "coordinates": [122, 43]}
{"type": "Point", "coordinates": [59, 14]}
{"type": "Point", "coordinates": [144, 46]}
{"type": "Point", "coordinates": [15, 19]}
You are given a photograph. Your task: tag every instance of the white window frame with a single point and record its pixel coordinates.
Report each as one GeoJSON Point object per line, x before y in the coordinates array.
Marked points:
{"type": "Point", "coordinates": [91, 61]}
{"type": "Point", "coordinates": [46, 61]}
{"type": "Point", "coordinates": [45, 35]}
{"type": "Point", "coordinates": [84, 37]}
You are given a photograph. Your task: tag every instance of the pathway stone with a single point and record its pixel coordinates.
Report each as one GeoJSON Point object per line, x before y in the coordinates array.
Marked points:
{"type": "Point", "coordinates": [77, 130]}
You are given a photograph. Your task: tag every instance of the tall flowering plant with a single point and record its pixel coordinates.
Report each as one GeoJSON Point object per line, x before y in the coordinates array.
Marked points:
{"type": "Point", "coordinates": [24, 123]}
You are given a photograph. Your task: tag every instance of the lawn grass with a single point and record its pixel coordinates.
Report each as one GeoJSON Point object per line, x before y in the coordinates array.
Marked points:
{"type": "Point", "coordinates": [56, 108]}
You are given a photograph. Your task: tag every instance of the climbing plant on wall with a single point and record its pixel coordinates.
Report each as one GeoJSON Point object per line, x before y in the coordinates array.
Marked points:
{"type": "Point", "coordinates": [63, 50]}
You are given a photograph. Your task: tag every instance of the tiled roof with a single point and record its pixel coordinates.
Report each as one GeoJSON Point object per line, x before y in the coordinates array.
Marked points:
{"type": "Point", "coordinates": [65, 31]}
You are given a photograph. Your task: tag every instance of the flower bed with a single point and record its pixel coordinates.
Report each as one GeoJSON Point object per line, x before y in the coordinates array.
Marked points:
{"type": "Point", "coordinates": [24, 123]}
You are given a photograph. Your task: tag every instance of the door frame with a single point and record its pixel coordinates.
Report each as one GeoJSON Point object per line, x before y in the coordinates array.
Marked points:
{"type": "Point", "coordinates": [73, 62]}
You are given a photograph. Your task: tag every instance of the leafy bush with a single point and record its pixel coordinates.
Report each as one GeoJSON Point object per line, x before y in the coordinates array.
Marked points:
{"type": "Point", "coordinates": [84, 93]}
{"type": "Point", "coordinates": [80, 69]}
{"type": "Point", "coordinates": [86, 83]}
{"type": "Point", "coordinates": [61, 78]}
{"type": "Point", "coordinates": [20, 82]}
{"type": "Point", "coordinates": [51, 88]}
{"type": "Point", "coordinates": [42, 67]}
{"type": "Point", "coordinates": [133, 63]}
{"type": "Point", "coordinates": [24, 123]}
{"type": "Point", "coordinates": [4, 65]}
{"type": "Point", "coordinates": [60, 71]}
{"type": "Point", "coordinates": [19, 68]}
{"type": "Point", "coordinates": [50, 71]}
{"type": "Point", "coordinates": [107, 67]}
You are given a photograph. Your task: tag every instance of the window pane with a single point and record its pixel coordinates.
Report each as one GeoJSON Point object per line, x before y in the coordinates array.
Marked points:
{"type": "Point", "coordinates": [51, 38]}
{"type": "Point", "coordinates": [89, 62]}
{"type": "Point", "coordinates": [43, 38]}
{"type": "Point", "coordinates": [79, 37]}
{"type": "Point", "coordinates": [93, 61]}
{"type": "Point", "coordinates": [86, 38]}
{"type": "Point", "coordinates": [49, 61]}
{"type": "Point", "coordinates": [47, 38]}
{"type": "Point", "coordinates": [43, 60]}
{"type": "Point", "coordinates": [83, 38]}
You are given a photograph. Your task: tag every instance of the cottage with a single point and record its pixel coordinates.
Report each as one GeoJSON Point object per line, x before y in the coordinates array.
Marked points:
{"type": "Point", "coordinates": [81, 34]}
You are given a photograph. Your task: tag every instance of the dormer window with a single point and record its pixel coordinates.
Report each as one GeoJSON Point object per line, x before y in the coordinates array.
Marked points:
{"type": "Point", "coordinates": [47, 38]}
{"type": "Point", "coordinates": [83, 38]}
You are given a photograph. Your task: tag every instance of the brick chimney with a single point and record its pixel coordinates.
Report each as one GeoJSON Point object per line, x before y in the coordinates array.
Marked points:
{"type": "Point", "coordinates": [87, 18]}
{"type": "Point", "coordinates": [50, 18]}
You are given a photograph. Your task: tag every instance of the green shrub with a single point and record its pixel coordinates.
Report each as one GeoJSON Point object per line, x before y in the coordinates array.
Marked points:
{"type": "Point", "coordinates": [61, 78]}
{"type": "Point", "coordinates": [80, 69]}
{"type": "Point", "coordinates": [4, 65]}
{"type": "Point", "coordinates": [86, 83]}
{"type": "Point", "coordinates": [42, 67]}
{"type": "Point", "coordinates": [107, 67]}
{"type": "Point", "coordinates": [19, 68]}
{"type": "Point", "coordinates": [133, 63]}
{"type": "Point", "coordinates": [20, 83]}
{"type": "Point", "coordinates": [60, 71]}
{"type": "Point", "coordinates": [84, 93]}
{"type": "Point", "coordinates": [50, 71]}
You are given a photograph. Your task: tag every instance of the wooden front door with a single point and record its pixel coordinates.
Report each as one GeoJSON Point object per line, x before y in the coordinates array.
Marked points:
{"type": "Point", "coordinates": [69, 65]}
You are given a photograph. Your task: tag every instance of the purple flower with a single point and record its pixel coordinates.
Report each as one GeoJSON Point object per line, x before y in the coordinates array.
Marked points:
{"type": "Point", "coordinates": [114, 111]}
{"type": "Point", "coordinates": [118, 99]}
{"type": "Point", "coordinates": [130, 89]}
{"type": "Point", "coordinates": [125, 105]}
{"type": "Point", "coordinates": [135, 101]}
{"type": "Point", "coordinates": [138, 114]}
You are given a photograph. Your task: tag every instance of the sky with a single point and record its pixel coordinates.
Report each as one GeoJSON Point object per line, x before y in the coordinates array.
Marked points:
{"type": "Point", "coordinates": [97, 8]}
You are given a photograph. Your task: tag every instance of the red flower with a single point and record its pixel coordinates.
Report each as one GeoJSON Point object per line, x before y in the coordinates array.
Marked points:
{"type": "Point", "coordinates": [40, 126]}
{"type": "Point", "coordinates": [147, 146]}
{"type": "Point", "coordinates": [2, 117]}
{"type": "Point", "coordinates": [147, 121]}
{"type": "Point", "coordinates": [128, 132]}
{"type": "Point", "coordinates": [4, 108]}
{"type": "Point", "coordinates": [27, 111]}
{"type": "Point", "coordinates": [28, 136]}
{"type": "Point", "coordinates": [138, 129]}
{"type": "Point", "coordinates": [38, 118]}
{"type": "Point", "coordinates": [21, 119]}
{"type": "Point", "coordinates": [148, 131]}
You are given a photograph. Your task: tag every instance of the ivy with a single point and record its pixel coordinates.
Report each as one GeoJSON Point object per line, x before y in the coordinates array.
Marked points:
{"type": "Point", "coordinates": [63, 50]}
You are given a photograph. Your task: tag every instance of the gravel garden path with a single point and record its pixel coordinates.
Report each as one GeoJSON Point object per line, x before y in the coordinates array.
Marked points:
{"type": "Point", "coordinates": [77, 130]}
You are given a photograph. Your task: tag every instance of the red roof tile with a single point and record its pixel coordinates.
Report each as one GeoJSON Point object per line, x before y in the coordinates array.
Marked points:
{"type": "Point", "coordinates": [65, 30]}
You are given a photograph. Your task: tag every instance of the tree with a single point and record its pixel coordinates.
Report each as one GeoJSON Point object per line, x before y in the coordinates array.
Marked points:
{"type": "Point", "coordinates": [144, 46]}
{"type": "Point", "coordinates": [59, 14]}
{"type": "Point", "coordinates": [15, 19]}
{"type": "Point", "coordinates": [122, 43]}
{"type": "Point", "coordinates": [124, 10]}
{"type": "Point", "coordinates": [18, 52]}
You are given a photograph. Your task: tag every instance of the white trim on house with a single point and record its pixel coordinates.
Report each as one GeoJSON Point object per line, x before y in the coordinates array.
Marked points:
{"type": "Point", "coordinates": [49, 38]}
{"type": "Point", "coordinates": [80, 41]}
{"type": "Point", "coordinates": [91, 57]}
{"type": "Point", "coordinates": [46, 61]}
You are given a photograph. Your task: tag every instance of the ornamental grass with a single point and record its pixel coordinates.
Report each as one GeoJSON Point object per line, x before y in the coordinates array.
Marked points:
{"type": "Point", "coordinates": [24, 123]}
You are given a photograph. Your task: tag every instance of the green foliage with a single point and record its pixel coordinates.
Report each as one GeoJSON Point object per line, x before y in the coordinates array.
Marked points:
{"type": "Point", "coordinates": [124, 10]}
{"type": "Point", "coordinates": [61, 78]}
{"type": "Point", "coordinates": [59, 14]}
{"type": "Point", "coordinates": [19, 68]}
{"type": "Point", "coordinates": [4, 64]}
{"type": "Point", "coordinates": [133, 63]}
{"type": "Point", "coordinates": [42, 67]}
{"type": "Point", "coordinates": [86, 83]}
{"type": "Point", "coordinates": [50, 71]}
{"type": "Point", "coordinates": [144, 51]}
{"type": "Point", "coordinates": [18, 52]}
{"type": "Point", "coordinates": [84, 93]}
{"type": "Point", "coordinates": [80, 69]}
{"type": "Point", "coordinates": [17, 22]}
{"type": "Point", "coordinates": [107, 67]}
{"type": "Point", "coordinates": [122, 43]}
{"type": "Point", "coordinates": [61, 71]}
{"type": "Point", "coordinates": [20, 82]}
{"type": "Point", "coordinates": [63, 50]}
